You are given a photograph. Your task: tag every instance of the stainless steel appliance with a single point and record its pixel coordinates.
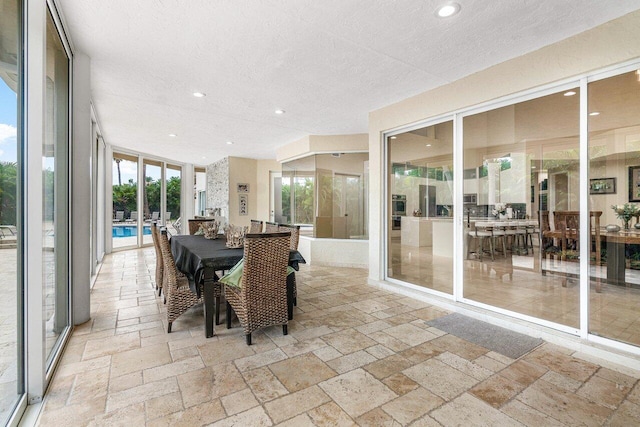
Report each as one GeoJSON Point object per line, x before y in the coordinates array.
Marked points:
{"type": "Point", "coordinates": [470, 198]}
{"type": "Point", "coordinates": [398, 210]}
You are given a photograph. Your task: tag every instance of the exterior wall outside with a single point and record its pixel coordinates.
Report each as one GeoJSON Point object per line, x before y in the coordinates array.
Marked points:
{"type": "Point", "coordinates": [603, 46]}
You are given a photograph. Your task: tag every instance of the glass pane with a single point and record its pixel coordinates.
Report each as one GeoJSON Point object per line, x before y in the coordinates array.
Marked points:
{"type": "Point", "coordinates": [298, 197]}
{"type": "Point", "coordinates": [174, 193]}
{"type": "Point", "coordinates": [521, 185]}
{"type": "Point", "coordinates": [341, 198]}
{"type": "Point", "coordinates": [420, 247]}
{"type": "Point", "coordinates": [151, 200]}
{"type": "Point", "coordinates": [614, 178]}
{"type": "Point", "coordinates": [55, 190]}
{"type": "Point", "coordinates": [125, 200]}
{"type": "Point", "coordinates": [11, 368]}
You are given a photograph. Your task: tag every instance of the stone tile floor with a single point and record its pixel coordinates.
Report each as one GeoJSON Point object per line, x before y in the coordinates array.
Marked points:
{"type": "Point", "coordinates": [355, 355]}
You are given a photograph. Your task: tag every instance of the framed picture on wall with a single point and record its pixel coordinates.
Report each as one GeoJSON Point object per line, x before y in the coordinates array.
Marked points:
{"type": "Point", "coordinates": [602, 186]}
{"type": "Point", "coordinates": [634, 183]}
{"type": "Point", "coordinates": [243, 188]}
{"type": "Point", "coordinates": [243, 205]}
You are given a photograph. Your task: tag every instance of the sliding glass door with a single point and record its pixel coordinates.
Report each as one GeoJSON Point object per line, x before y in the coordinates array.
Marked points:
{"type": "Point", "coordinates": [55, 187]}
{"type": "Point", "coordinates": [11, 161]}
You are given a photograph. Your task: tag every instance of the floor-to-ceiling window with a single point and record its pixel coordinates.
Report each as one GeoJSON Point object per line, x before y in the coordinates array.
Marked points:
{"type": "Point", "coordinates": [125, 200]}
{"type": "Point", "coordinates": [11, 335]}
{"type": "Point", "coordinates": [521, 234]}
{"type": "Point", "coordinates": [152, 195]}
{"type": "Point", "coordinates": [420, 206]}
{"type": "Point", "coordinates": [55, 186]}
{"type": "Point", "coordinates": [614, 191]}
{"type": "Point", "coordinates": [173, 180]}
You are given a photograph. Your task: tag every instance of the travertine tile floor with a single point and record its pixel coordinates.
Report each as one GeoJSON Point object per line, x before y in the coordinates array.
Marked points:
{"type": "Point", "coordinates": [355, 355]}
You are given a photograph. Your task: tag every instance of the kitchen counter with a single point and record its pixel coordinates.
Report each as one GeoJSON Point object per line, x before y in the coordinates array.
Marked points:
{"type": "Point", "coordinates": [423, 231]}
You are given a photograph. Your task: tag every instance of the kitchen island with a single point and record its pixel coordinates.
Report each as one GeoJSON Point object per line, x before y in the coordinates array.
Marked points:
{"type": "Point", "coordinates": [425, 231]}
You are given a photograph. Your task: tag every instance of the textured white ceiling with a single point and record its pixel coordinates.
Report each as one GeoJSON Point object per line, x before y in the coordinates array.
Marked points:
{"type": "Point", "coordinates": [327, 63]}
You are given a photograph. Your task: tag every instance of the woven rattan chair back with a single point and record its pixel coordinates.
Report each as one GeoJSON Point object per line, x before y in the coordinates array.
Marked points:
{"type": "Point", "coordinates": [155, 234]}
{"type": "Point", "coordinates": [270, 227]}
{"type": "Point", "coordinates": [179, 296]}
{"type": "Point", "coordinates": [295, 234]}
{"type": "Point", "coordinates": [262, 300]}
{"type": "Point", "coordinates": [194, 224]}
{"type": "Point", "coordinates": [256, 226]}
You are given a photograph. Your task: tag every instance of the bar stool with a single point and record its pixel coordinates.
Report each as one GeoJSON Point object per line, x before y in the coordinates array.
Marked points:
{"type": "Point", "coordinates": [480, 235]}
{"type": "Point", "coordinates": [499, 232]}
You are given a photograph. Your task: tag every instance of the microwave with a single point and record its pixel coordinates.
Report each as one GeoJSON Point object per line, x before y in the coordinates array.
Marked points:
{"type": "Point", "coordinates": [470, 198]}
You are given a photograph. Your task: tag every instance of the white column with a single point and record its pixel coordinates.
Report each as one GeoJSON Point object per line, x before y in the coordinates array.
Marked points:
{"type": "Point", "coordinates": [82, 142]}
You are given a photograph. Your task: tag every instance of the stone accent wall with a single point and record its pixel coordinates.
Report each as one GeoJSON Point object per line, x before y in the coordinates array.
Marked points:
{"type": "Point", "coordinates": [218, 186]}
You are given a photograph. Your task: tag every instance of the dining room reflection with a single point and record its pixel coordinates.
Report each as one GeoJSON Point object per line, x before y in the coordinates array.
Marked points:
{"type": "Point", "coordinates": [421, 203]}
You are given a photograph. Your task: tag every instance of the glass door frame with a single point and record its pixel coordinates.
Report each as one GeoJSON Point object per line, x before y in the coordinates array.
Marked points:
{"type": "Point", "coordinates": [580, 81]}
{"type": "Point", "coordinates": [386, 205]}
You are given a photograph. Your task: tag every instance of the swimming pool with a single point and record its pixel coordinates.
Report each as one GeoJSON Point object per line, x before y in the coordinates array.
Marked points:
{"type": "Point", "coordinates": [128, 230]}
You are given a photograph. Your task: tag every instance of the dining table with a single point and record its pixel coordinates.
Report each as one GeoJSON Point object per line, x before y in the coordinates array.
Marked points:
{"type": "Point", "coordinates": [199, 259]}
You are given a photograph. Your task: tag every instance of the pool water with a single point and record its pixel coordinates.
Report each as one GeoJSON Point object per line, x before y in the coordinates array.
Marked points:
{"type": "Point", "coordinates": [129, 230]}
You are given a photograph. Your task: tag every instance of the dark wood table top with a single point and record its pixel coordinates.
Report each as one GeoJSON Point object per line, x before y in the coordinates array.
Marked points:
{"type": "Point", "coordinates": [193, 254]}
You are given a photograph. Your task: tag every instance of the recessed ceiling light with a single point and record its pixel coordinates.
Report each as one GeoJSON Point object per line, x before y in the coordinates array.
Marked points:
{"type": "Point", "coordinates": [204, 157]}
{"type": "Point", "coordinates": [229, 142]}
{"type": "Point", "coordinates": [447, 10]}
{"type": "Point", "coordinates": [279, 111]}
{"type": "Point", "coordinates": [428, 145]}
{"type": "Point", "coordinates": [199, 94]}
{"type": "Point", "coordinates": [569, 93]}
{"type": "Point", "coordinates": [595, 113]}
{"type": "Point", "coordinates": [393, 137]}
{"type": "Point", "coordinates": [533, 167]}
{"type": "Point", "coordinates": [172, 135]}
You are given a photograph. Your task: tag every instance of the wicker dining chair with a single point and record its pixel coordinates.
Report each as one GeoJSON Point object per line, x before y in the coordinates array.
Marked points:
{"type": "Point", "coordinates": [179, 296]}
{"type": "Point", "coordinates": [256, 226]}
{"type": "Point", "coordinates": [270, 227]}
{"type": "Point", "coordinates": [295, 238]}
{"type": "Point", "coordinates": [155, 234]}
{"type": "Point", "coordinates": [194, 224]}
{"type": "Point", "coordinates": [261, 300]}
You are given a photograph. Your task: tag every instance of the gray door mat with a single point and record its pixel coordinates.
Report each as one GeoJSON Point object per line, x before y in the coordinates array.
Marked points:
{"type": "Point", "coordinates": [501, 340]}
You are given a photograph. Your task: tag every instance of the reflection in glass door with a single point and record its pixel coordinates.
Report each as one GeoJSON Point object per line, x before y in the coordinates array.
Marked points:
{"type": "Point", "coordinates": [55, 176]}
{"type": "Point", "coordinates": [614, 177]}
{"type": "Point", "coordinates": [522, 234]}
{"type": "Point", "coordinates": [420, 206]}
{"type": "Point", "coordinates": [11, 339]}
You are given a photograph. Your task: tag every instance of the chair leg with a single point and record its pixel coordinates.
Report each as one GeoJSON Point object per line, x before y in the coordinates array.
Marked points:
{"type": "Point", "coordinates": [284, 330]}
{"type": "Point", "coordinates": [229, 310]}
{"type": "Point", "coordinates": [249, 339]}
{"type": "Point", "coordinates": [217, 304]}
{"type": "Point", "coordinates": [159, 291]}
{"type": "Point", "coordinates": [169, 328]}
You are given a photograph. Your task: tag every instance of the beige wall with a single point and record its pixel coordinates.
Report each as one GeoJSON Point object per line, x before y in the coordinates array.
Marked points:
{"type": "Point", "coordinates": [256, 174]}
{"type": "Point", "coordinates": [242, 170]}
{"type": "Point", "coordinates": [263, 194]}
{"type": "Point", "coordinates": [606, 45]}
{"type": "Point", "coordinates": [316, 144]}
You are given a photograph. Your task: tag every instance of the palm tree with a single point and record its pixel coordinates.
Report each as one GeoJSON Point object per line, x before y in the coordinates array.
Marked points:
{"type": "Point", "coordinates": [119, 175]}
